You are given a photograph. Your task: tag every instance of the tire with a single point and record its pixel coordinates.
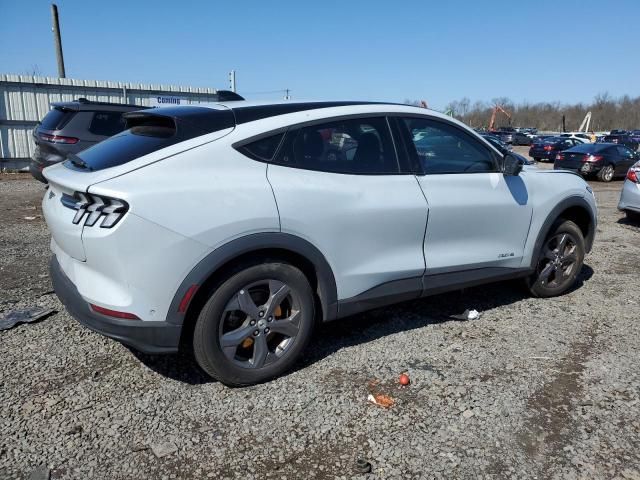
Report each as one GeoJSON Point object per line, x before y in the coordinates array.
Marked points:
{"type": "Point", "coordinates": [264, 313]}
{"type": "Point", "coordinates": [606, 173]}
{"type": "Point", "coordinates": [559, 261]}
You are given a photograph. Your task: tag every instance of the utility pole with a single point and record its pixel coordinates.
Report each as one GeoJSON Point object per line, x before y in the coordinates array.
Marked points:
{"type": "Point", "coordinates": [286, 95]}
{"type": "Point", "coordinates": [57, 40]}
{"type": "Point", "coordinates": [232, 80]}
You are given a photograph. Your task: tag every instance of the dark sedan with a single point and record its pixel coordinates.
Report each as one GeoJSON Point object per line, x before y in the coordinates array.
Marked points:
{"type": "Point", "coordinates": [605, 160]}
{"type": "Point", "coordinates": [520, 138]}
{"type": "Point", "coordinates": [548, 148]}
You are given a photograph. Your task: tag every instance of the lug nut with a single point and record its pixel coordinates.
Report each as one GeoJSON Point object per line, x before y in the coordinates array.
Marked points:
{"type": "Point", "coordinates": [252, 323]}
{"type": "Point", "coordinates": [266, 330]}
{"type": "Point", "coordinates": [270, 319]}
{"type": "Point", "coordinates": [256, 333]}
{"type": "Point", "coordinates": [261, 314]}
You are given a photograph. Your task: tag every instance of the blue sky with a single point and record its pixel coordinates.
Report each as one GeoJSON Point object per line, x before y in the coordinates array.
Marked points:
{"type": "Point", "coordinates": [563, 50]}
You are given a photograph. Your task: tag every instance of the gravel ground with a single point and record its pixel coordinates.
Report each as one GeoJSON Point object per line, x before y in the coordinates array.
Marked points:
{"type": "Point", "coordinates": [532, 389]}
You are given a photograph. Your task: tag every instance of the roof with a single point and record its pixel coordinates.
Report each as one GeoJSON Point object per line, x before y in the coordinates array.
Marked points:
{"type": "Point", "coordinates": [84, 104]}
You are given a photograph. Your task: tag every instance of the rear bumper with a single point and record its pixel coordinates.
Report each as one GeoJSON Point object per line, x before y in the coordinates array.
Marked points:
{"type": "Point", "coordinates": [630, 197]}
{"type": "Point", "coordinates": [144, 336]}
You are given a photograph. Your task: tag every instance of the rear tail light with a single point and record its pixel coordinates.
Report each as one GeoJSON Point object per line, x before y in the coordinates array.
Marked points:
{"type": "Point", "coordinates": [632, 175]}
{"type": "Point", "coordinates": [57, 138]}
{"type": "Point", "coordinates": [548, 148]}
{"type": "Point", "coordinates": [92, 207]}
{"type": "Point", "coordinates": [113, 313]}
{"type": "Point", "coordinates": [592, 158]}
{"type": "Point", "coordinates": [559, 156]}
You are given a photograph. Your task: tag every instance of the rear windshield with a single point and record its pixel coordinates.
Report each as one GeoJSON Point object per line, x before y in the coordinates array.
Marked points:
{"type": "Point", "coordinates": [56, 118]}
{"type": "Point", "coordinates": [589, 148]}
{"type": "Point", "coordinates": [149, 133]}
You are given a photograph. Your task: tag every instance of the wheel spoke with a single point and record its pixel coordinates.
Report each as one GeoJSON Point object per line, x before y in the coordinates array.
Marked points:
{"type": "Point", "coordinates": [562, 243]}
{"type": "Point", "coordinates": [247, 305]}
{"type": "Point", "coordinates": [546, 272]}
{"type": "Point", "coordinates": [549, 254]}
{"type": "Point", "coordinates": [231, 340]}
{"type": "Point", "coordinates": [569, 259]}
{"type": "Point", "coordinates": [278, 291]}
{"type": "Point", "coordinates": [287, 326]}
{"type": "Point", "coordinates": [261, 354]}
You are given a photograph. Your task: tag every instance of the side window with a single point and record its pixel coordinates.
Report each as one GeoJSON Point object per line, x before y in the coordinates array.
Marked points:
{"type": "Point", "coordinates": [360, 146]}
{"type": "Point", "coordinates": [263, 149]}
{"type": "Point", "coordinates": [442, 148]}
{"type": "Point", "coordinates": [624, 151]}
{"type": "Point", "coordinates": [106, 123]}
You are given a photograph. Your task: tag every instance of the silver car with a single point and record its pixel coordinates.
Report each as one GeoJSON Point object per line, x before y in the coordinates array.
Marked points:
{"type": "Point", "coordinates": [630, 196]}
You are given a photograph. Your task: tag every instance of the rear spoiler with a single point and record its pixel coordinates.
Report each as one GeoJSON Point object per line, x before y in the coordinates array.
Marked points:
{"type": "Point", "coordinates": [187, 122]}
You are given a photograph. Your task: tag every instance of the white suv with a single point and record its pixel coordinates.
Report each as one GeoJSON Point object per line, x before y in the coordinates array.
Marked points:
{"type": "Point", "coordinates": [233, 229]}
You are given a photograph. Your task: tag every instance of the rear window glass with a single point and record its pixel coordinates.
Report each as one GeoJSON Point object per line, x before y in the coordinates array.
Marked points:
{"type": "Point", "coordinates": [149, 133]}
{"type": "Point", "coordinates": [56, 119]}
{"type": "Point", "coordinates": [589, 148]}
{"type": "Point", "coordinates": [106, 123]}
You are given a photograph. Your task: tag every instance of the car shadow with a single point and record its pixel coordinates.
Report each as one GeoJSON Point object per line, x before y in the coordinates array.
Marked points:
{"type": "Point", "coordinates": [369, 326]}
{"type": "Point", "coordinates": [629, 222]}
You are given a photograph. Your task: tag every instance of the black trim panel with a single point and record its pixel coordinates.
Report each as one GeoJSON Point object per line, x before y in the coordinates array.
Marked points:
{"type": "Point", "coordinates": [327, 290]}
{"type": "Point", "coordinates": [147, 337]}
{"type": "Point", "coordinates": [385, 294]}
{"type": "Point", "coordinates": [412, 288]}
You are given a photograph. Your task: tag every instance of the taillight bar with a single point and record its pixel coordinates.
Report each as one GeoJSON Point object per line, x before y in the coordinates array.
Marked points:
{"type": "Point", "coordinates": [57, 138]}
{"type": "Point", "coordinates": [111, 210]}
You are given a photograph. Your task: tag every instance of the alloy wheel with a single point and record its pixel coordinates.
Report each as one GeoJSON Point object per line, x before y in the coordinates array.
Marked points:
{"type": "Point", "coordinates": [260, 324]}
{"type": "Point", "coordinates": [559, 260]}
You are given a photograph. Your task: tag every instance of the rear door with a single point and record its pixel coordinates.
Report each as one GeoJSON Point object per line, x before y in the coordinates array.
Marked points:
{"type": "Point", "coordinates": [626, 158]}
{"type": "Point", "coordinates": [338, 184]}
{"type": "Point", "coordinates": [478, 217]}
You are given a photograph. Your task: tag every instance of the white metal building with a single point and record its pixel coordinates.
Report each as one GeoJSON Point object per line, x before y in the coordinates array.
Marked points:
{"type": "Point", "coordinates": [25, 99]}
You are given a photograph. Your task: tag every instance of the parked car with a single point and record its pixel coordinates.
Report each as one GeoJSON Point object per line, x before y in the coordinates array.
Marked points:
{"type": "Point", "coordinates": [504, 134]}
{"type": "Point", "coordinates": [520, 138]}
{"type": "Point", "coordinates": [583, 137]}
{"type": "Point", "coordinates": [622, 139]}
{"type": "Point", "coordinates": [635, 135]}
{"type": "Point", "coordinates": [630, 196]}
{"type": "Point", "coordinates": [505, 149]}
{"type": "Point", "coordinates": [70, 127]}
{"type": "Point", "coordinates": [605, 160]}
{"type": "Point", "coordinates": [496, 142]}
{"type": "Point", "coordinates": [548, 147]}
{"type": "Point", "coordinates": [235, 229]}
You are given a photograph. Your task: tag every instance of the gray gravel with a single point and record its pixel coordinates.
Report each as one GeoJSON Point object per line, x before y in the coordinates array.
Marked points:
{"type": "Point", "coordinates": [533, 389]}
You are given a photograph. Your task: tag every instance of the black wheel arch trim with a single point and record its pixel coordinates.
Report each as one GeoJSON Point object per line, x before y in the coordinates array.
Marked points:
{"type": "Point", "coordinates": [569, 202]}
{"type": "Point", "coordinates": [209, 265]}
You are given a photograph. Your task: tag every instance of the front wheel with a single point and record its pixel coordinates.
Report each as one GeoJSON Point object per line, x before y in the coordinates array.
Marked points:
{"type": "Point", "coordinates": [606, 173]}
{"type": "Point", "coordinates": [559, 261]}
{"type": "Point", "coordinates": [255, 324]}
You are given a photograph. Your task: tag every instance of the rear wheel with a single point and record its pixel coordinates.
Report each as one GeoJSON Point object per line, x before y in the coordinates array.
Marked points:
{"type": "Point", "coordinates": [255, 324]}
{"type": "Point", "coordinates": [559, 261]}
{"type": "Point", "coordinates": [606, 173]}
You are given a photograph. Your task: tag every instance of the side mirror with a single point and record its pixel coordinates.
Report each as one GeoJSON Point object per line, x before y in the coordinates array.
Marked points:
{"type": "Point", "coordinates": [511, 165]}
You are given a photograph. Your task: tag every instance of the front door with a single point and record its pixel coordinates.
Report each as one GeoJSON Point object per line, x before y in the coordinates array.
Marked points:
{"type": "Point", "coordinates": [478, 217]}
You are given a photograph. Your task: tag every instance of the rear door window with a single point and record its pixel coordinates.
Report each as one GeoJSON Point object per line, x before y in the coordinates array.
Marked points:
{"type": "Point", "coordinates": [361, 146]}
{"type": "Point", "coordinates": [57, 118]}
{"type": "Point", "coordinates": [106, 123]}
